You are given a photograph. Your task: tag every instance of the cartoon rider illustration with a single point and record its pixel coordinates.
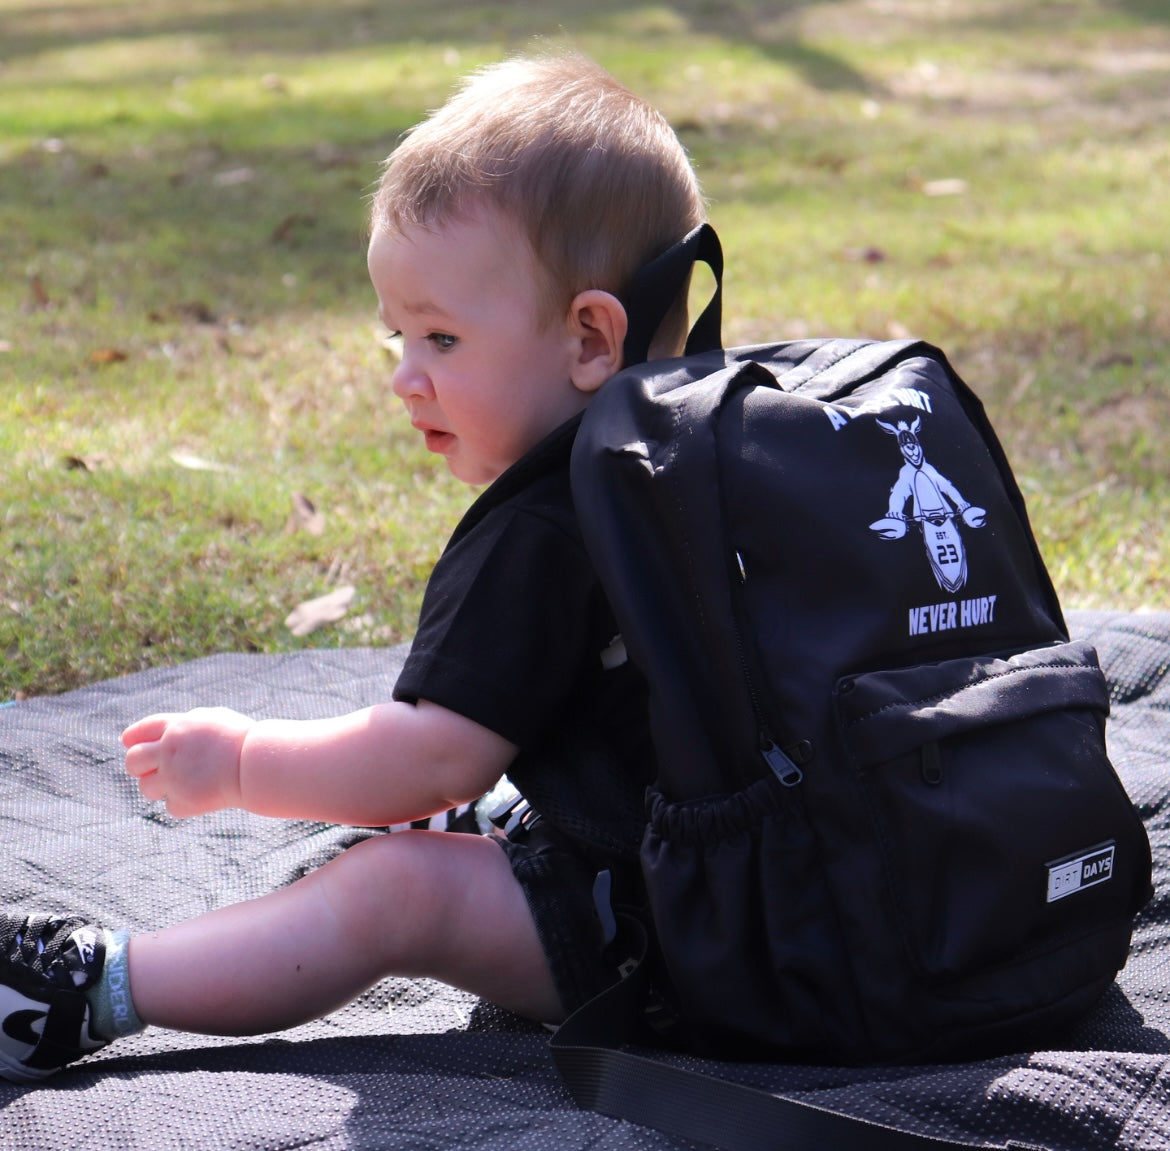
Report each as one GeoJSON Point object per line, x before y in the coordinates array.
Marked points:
{"type": "Point", "coordinates": [935, 502]}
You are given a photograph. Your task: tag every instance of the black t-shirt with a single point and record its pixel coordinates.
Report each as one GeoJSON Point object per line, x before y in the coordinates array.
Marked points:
{"type": "Point", "coordinates": [516, 634]}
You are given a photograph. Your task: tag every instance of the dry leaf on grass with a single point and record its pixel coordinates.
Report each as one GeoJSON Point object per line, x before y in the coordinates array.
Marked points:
{"type": "Point", "coordinates": [233, 177]}
{"type": "Point", "coordinates": [197, 463]}
{"type": "Point", "coordinates": [108, 356]}
{"type": "Point", "coordinates": [86, 463]}
{"type": "Point", "coordinates": [947, 187]}
{"type": "Point", "coordinates": [314, 613]}
{"type": "Point", "coordinates": [305, 516]}
{"type": "Point", "coordinates": [40, 297]}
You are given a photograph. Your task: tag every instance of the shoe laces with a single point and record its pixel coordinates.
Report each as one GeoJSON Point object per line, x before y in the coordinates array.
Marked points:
{"type": "Point", "coordinates": [59, 949]}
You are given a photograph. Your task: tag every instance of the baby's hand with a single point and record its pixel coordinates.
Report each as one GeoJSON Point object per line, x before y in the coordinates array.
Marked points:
{"type": "Point", "coordinates": [189, 760]}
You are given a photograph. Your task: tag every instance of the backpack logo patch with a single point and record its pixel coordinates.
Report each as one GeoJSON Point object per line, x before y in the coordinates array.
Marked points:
{"type": "Point", "coordinates": [922, 495]}
{"type": "Point", "coordinates": [1067, 877]}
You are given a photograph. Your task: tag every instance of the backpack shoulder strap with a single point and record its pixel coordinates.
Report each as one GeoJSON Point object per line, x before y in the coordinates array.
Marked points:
{"type": "Point", "coordinates": [657, 285]}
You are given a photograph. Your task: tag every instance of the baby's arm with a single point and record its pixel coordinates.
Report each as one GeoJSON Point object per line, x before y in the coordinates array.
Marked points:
{"type": "Point", "coordinates": [390, 763]}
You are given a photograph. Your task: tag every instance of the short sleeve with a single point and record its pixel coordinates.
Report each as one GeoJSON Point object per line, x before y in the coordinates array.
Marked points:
{"type": "Point", "coordinates": [504, 631]}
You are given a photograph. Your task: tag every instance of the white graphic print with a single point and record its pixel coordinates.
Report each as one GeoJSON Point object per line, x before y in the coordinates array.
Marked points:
{"type": "Point", "coordinates": [934, 505]}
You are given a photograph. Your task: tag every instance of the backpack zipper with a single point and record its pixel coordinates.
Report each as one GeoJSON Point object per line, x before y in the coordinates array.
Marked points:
{"type": "Point", "coordinates": [777, 759]}
{"type": "Point", "coordinates": [783, 768]}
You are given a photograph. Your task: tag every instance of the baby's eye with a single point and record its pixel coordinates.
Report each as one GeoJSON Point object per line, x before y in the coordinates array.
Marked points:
{"type": "Point", "coordinates": [443, 341]}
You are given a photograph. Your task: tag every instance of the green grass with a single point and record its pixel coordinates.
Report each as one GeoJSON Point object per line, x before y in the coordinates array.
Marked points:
{"type": "Point", "coordinates": [182, 210]}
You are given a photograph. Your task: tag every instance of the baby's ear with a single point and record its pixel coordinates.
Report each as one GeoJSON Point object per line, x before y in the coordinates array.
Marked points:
{"type": "Point", "coordinates": [597, 325]}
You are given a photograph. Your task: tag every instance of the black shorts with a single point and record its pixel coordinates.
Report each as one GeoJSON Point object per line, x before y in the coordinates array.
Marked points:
{"type": "Point", "coordinates": [557, 881]}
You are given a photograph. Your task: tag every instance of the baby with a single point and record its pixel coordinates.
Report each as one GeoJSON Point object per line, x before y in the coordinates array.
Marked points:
{"type": "Point", "coordinates": [505, 233]}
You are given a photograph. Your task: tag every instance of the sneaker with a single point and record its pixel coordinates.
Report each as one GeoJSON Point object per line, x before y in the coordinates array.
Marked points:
{"type": "Point", "coordinates": [47, 964]}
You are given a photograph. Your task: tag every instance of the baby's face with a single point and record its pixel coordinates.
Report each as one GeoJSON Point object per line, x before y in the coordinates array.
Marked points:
{"type": "Point", "coordinates": [483, 377]}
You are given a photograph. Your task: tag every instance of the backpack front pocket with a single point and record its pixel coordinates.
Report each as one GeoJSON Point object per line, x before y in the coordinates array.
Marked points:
{"type": "Point", "coordinates": [1001, 826]}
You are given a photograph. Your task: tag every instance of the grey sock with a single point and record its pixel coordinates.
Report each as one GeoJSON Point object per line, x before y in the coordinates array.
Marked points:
{"type": "Point", "coordinates": [110, 1005]}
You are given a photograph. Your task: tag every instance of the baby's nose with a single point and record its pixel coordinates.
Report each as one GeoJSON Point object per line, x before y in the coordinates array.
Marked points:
{"type": "Point", "coordinates": [409, 379]}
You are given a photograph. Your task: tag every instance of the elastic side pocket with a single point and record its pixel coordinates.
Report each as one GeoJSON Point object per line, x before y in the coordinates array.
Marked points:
{"type": "Point", "coordinates": [743, 919]}
{"type": "Point", "coordinates": [1002, 828]}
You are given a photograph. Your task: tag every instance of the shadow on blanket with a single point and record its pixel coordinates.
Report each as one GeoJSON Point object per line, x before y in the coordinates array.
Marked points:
{"type": "Point", "coordinates": [413, 1064]}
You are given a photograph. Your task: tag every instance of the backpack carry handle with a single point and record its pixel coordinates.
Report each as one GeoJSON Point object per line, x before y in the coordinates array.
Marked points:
{"type": "Point", "coordinates": [657, 285]}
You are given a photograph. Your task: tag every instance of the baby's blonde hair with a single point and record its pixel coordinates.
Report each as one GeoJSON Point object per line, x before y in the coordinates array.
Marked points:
{"type": "Point", "coordinates": [594, 176]}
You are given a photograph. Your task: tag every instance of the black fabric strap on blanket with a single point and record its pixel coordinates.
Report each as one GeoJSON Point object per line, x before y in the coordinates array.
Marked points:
{"type": "Point", "coordinates": [603, 1076]}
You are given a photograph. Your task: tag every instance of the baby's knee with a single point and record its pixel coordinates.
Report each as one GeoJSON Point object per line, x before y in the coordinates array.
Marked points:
{"type": "Point", "coordinates": [401, 883]}
{"type": "Point", "coordinates": [392, 865]}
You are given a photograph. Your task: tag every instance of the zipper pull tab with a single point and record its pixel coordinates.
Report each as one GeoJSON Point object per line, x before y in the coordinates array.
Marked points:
{"type": "Point", "coordinates": [781, 766]}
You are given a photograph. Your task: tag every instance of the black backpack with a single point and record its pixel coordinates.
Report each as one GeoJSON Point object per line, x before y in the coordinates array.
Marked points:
{"type": "Point", "coordinates": [885, 826]}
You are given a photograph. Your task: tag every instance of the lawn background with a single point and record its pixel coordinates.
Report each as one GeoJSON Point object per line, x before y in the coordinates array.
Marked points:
{"type": "Point", "coordinates": [188, 343]}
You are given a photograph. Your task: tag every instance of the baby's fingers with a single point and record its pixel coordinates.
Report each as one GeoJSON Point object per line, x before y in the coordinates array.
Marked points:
{"type": "Point", "coordinates": [147, 730]}
{"type": "Point", "coordinates": [142, 760]}
{"type": "Point", "coordinates": [151, 787]}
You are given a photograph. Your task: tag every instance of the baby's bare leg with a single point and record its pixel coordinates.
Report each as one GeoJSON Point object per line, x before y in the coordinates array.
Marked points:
{"type": "Point", "coordinates": [436, 904]}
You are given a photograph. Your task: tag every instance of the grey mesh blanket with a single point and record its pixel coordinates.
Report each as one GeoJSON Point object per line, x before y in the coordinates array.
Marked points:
{"type": "Point", "coordinates": [415, 1065]}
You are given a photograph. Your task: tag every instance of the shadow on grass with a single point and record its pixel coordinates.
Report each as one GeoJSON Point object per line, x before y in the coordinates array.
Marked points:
{"type": "Point", "coordinates": [281, 26]}
{"type": "Point", "coordinates": [212, 213]}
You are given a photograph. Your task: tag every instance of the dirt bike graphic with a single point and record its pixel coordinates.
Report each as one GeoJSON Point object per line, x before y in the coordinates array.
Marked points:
{"type": "Point", "coordinates": [935, 504]}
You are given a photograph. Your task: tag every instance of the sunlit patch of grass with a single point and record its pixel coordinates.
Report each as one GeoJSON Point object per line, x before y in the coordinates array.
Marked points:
{"type": "Point", "coordinates": [182, 220]}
